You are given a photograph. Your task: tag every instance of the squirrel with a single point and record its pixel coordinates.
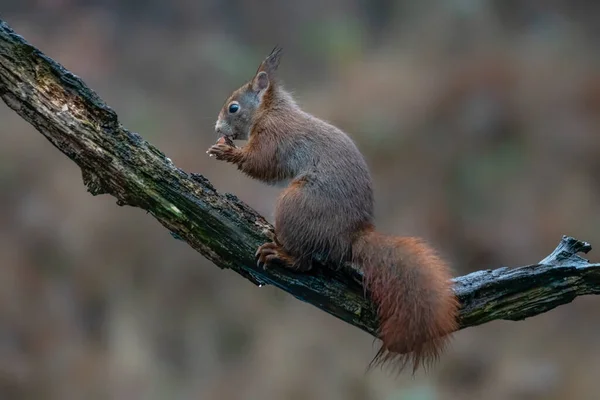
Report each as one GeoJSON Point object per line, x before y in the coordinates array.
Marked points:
{"type": "Point", "coordinates": [327, 209]}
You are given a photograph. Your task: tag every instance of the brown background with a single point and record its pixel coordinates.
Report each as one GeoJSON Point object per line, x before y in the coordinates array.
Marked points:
{"type": "Point", "coordinates": [479, 120]}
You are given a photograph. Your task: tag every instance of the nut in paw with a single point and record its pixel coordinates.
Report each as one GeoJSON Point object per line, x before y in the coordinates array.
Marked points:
{"type": "Point", "coordinates": [220, 151]}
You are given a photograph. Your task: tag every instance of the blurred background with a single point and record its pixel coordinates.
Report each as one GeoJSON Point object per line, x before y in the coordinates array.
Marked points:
{"type": "Point", "coordinates": [479, 119]}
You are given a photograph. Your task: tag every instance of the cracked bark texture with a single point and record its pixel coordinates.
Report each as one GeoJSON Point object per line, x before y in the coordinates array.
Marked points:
{"type": "Point", "coordinates": [118, 162]}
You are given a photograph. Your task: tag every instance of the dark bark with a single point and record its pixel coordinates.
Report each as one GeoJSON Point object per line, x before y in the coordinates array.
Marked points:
{"type": "Point", "coordinates": [118, 162]}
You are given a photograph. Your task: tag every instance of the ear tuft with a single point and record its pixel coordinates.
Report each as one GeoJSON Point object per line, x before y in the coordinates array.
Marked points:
{"type": "Point", "coordinates": [270, 64]}
{"type": "Point", "coordinates": [260, 82]}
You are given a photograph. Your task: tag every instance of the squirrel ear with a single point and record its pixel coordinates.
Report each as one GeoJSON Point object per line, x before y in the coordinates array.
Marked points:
{"type": "Point", "coordinates": [260, 82]}
{"type": "Point", "coordinates": [270, 64]}
{"type": "Point", "coordinates": [267, 69]}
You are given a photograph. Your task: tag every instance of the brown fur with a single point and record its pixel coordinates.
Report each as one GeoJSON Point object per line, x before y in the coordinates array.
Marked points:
{"type": "Point", "coordinates": [327, 209]}
{"type": "Point", "coordinates": [411, 286]}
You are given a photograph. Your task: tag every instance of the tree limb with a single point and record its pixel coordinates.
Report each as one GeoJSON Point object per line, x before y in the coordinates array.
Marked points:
{"type": "Point", "coordinates": [119, 162]}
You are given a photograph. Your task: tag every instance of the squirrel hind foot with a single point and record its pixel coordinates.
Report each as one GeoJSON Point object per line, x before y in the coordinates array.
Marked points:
{"type": "Point", "coordinates": [272, 253]}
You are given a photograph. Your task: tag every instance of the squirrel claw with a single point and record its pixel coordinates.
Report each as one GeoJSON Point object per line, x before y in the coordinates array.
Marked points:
{"type": "Point", "coordinates": [268, 254]}
{"type": "Point", "coordinates": [273, 253]}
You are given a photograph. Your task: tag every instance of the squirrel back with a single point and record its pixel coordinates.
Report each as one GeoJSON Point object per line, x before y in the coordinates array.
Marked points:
{"type": "Point", "coordinates": [327, 209]}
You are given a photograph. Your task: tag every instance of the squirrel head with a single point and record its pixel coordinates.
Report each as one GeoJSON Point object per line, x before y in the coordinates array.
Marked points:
{"type": "Point", "coordinates": [238, 113]}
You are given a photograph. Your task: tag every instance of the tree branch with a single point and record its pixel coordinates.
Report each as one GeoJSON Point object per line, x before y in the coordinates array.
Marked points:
{"type": "Point", "coordinates": [118, 162]}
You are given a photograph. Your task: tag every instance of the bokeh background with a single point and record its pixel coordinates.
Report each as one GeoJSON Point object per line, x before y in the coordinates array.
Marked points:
{"type": "Point", "coordinates": [479, 119]}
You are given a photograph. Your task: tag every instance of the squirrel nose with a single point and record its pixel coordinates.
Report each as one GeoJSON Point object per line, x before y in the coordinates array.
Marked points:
{"type": "Point", "coordinates": [222, 128]}
{"type": "Point", "coordinates": [219, 127]}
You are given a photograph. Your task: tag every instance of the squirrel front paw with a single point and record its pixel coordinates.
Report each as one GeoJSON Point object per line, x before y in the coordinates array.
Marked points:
{"type": "Point", "coordinates": [222, 151]}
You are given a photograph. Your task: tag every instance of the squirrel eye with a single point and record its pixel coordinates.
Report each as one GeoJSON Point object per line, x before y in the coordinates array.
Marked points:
{"type": "Point", "coordinates": [234, 107]}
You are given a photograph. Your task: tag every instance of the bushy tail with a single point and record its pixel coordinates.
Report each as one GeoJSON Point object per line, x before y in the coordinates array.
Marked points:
{"type": "Point", "coordinates": [411, 287]}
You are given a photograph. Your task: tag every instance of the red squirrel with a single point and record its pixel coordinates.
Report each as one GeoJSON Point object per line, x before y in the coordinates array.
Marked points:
{"type": "Point", "coordinates": [327, 209]}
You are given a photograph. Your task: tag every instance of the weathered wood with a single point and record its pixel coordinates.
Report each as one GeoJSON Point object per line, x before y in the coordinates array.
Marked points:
{"type": "Point", "coordinates": [118, 162]}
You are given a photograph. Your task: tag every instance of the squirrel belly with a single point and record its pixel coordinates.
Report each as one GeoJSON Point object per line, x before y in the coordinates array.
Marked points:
{"type": "Point", "coordinates": [327, 209]}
